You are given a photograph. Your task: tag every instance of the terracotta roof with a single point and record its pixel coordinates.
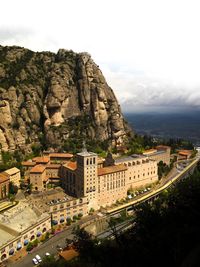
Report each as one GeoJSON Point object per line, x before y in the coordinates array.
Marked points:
{"type": "Point", "coordinates": [68, 254]}
{"type": "Point", "coordinates": [111, 169]}
{"type": "Point", "coordinates": [71, 165]}
{"type": "Point", "coordinates": [60, 155]}
{"type": "Point", "coordinates": [12, 171]}
{"type": "Point", "coordinates": [28, 163]}
{"type": "Point", "coordinates": [41, 159]}
{"type": "Point", "coordinates": [185, 152]}
{"type": "Point", "coordinates": [38, 169]}
{"type": "Point", "coordinates": [53, 166]}
{"type": "Point", "coordinates": [3, 178]}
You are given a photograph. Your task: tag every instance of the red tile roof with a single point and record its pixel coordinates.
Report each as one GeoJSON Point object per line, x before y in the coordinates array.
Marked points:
{"type": "Point", "coordinates": [41, 159]}
{"type": "Point", "coordinates": [71, 165]}
{"type": "Point", "coordinates": [185, 152]}
{"type": "Point", "coordinates": [53, 166]}
{"type": "Point", "coordinates": [38, 169]}
{"type": "Point", "coordinates": [61, 155]}
{"type": "Point", "coordinates": [111, 169]}
{"type": "Point", "coordinates": [68, 254]}
{"type": "Point", "coordinates": [4, 178]}
{"type": "Point", "coordinates": [28, 163]}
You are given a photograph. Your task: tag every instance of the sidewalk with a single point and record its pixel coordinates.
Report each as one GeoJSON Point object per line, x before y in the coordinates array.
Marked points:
{"type": "Point", "coordinates": [19, 255]}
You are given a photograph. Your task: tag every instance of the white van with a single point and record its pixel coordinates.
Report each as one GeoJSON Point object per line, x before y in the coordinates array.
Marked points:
{"type": "Point", "coordinates": [38, 258]}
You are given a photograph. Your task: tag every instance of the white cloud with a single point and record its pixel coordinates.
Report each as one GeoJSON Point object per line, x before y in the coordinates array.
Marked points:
{"type": "Point", "coordinates": [149, 50]}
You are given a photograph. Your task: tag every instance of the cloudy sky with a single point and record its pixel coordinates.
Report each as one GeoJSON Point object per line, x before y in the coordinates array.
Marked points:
{"type": "Point", "coordinates": [148, 50]}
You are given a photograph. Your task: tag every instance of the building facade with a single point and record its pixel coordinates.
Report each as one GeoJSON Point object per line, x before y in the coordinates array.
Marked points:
{"type": "Point", "coordinates": [23, 238]}
{"type": "Point", "coordinates": [105, 185]}
{"type": "Point", "coordinates": [62, 211]}
{"type": "Point", "coordinates": [4, 185]}
{"type": "Point", "coordinates": [14, 175]}
{"type": "Point", "coordinates": [141, 170]}
{"type": "Point", "coordinates": [160, 153]}
{"type": "Point", "coordinates": [38, 178]}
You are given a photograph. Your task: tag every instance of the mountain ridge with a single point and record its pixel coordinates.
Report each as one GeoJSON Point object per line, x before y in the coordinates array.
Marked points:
{"type": "Point", "coordinates": [50, 97]}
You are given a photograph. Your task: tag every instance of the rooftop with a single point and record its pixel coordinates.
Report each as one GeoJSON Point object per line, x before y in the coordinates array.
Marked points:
{"type": "Point", "coordinates": [120, 160]}
{"type": "Point", "coordinates": [3, 177]}
{"type": "Point", "coordinates": [61, 155]}
{"type": "Point", "coordinates": [38, 169]}
{"type": "Point", "coordinates": [18, 219]}
{"type": "Point", "coordinates": [149, 151]}
{"type": "Point", "coordinates": [86, 153]}
{"type": "Point", "coordinates": [129, 158]}
{"type": "Point", "coordinates": [71, 165]}
{"type": "Point", "coordinates": [12, 171]}
{"type": "Point", "coordinates": [53, 166]}
{"type": "Point", "coordinates": [68, 254]}
{"type": "Point", "coordinates": [5, 237]}
{"type": "Point", "coordinates": [111, 169]}
{"type": "Point", "coordinates": [185, 152]}
{"type": "Point", "coordinates": [41, 159]}
{"type": "Point", "coordinates": [28, 163]}
{"type": "Point", "coordinates": [156, 153]}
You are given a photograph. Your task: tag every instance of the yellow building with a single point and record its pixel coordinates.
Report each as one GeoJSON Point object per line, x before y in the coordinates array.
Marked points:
{"type": "Point", "coordinates": [14, 175]}
{"type": "Point", "coordinates": [111, 184]}
{"type": "Point", "coordinates": [63, 210]}
{"type": "Point", "coordinates": [13, 240]}
{"type": "Point", "coordinates": [140, 170]}
{"type": "Point", "coordinates": [160, 153]}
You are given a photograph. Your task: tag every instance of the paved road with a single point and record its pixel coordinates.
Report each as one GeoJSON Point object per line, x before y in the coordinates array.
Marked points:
{"type": "Point", "coordinates": [49, 245]}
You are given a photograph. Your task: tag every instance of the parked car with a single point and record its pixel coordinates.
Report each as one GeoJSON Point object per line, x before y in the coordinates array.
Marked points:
{"type": "Point", "coordinates": [47, 254]}
{"type": "Point", "coordinates": [38, 258]}
{"type": "Point", "coordinates": [35, 261]}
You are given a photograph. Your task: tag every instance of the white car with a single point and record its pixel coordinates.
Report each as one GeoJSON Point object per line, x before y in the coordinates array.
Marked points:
{"type": "Point", "coordinates": [35, 261]}
{"type": "Point", "coordinates": [38, 258]}
{"type": "Point", "coordinates": [47, 254]}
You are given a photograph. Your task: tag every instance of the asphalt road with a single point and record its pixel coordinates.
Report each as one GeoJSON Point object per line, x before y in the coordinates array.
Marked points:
{"type": "Point", "coordinates": [49, 246]}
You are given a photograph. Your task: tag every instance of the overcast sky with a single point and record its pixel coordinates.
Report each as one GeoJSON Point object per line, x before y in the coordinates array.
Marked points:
{"type": "Point", "coordinates": [148, 50]}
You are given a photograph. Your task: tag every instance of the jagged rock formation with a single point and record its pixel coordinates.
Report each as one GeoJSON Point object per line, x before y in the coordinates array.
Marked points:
{"type": "Point", "coordinates": [47, 97]}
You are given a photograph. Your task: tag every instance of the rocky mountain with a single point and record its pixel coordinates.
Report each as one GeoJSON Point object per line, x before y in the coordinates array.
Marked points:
{"type": "Point", "coordinates": [51, 98]}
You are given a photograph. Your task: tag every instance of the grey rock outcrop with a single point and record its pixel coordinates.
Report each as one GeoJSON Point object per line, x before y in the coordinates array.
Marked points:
{"type": "Point", "coordinates": [41, 94]}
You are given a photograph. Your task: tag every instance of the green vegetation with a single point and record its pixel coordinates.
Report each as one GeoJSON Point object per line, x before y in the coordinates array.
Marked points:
{"type": "Point", "coordinates": [163, 169]}
{"type": "Point", "coordinates": [10, 160]}
{"type": "Point", "coordinates": [32, 245]}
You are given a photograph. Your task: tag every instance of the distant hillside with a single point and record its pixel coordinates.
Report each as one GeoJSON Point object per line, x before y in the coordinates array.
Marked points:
{"type": "Point", "coordinates": [54, 99]}
{"type": "Point", "coordinates": [185, 125]}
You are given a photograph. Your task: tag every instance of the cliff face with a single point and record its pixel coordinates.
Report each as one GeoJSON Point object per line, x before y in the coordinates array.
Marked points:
{"type": "Point", "coordinates": [47, 97]}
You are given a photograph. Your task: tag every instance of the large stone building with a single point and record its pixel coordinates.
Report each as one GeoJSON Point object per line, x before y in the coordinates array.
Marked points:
{"type": "Point", "coordinates": [17, 231]}
{"type": "Point", "coordinates": [105, 185]}
{"type": "Point", "coordinates": [160, 153]}
{"type": "Point", "coordinates": [38, 177]}
{"type": "Point", "coordinates": [140, 170]}
{"type": "Point", "coordinates": [66, 209]}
